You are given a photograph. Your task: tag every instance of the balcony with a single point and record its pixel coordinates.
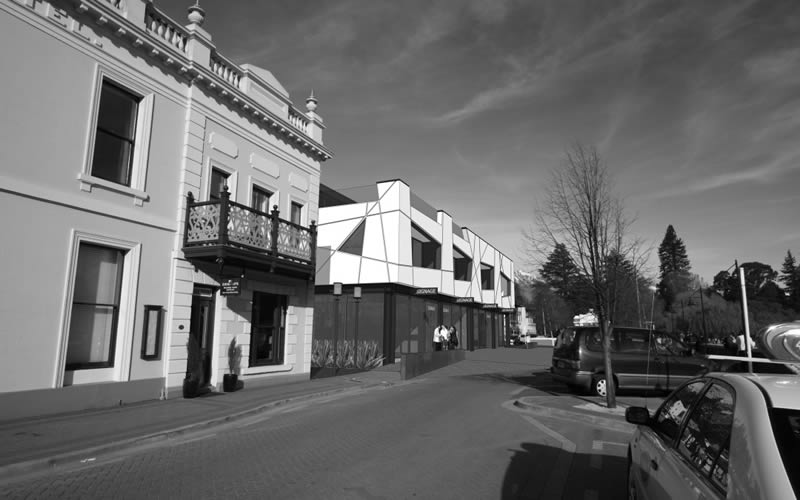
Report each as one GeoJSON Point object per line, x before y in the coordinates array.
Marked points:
{"type": "Point", "coordinates": [229, 234]}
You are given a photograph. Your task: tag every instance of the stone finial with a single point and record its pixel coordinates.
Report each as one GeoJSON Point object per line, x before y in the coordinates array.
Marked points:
{"type": "Point", "coordinates": [311, 102]}
{"type": "Point", "coordinates": [196, 14]}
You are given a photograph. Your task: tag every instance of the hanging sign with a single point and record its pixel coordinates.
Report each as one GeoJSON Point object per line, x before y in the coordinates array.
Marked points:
{"type": "Point", "coordinates": [231, 286]}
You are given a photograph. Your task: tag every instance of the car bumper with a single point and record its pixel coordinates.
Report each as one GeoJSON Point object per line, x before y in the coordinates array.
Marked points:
{"type": "Point", "coordinates": [575, 378]}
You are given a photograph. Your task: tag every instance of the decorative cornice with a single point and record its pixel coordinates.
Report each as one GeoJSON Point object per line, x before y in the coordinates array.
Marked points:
{"type": "Point", "coordinates": [171, 57]}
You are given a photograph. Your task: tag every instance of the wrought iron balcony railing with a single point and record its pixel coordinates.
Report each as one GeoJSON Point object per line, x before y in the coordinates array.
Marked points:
{"type": "Point", "coordinates": [222, 224]}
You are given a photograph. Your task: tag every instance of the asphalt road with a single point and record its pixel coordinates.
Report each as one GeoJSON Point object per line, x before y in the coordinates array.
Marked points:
{"type": "Point", "coordinates": [449, 434]}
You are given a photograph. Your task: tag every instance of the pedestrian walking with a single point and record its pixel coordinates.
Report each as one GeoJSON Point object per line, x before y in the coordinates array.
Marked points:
{"type": "Point", "coordinates": [452, 337]}
{"type": "Point", "coordinates": [439, 336]}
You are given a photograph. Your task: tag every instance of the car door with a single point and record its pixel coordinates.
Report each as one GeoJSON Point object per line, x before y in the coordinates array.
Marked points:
{"type": "Point", "coordinates": [652, 443]}
{"type": "Point", "coordinates": [679, 363]}
{"type": "Point", "coordinates": [635, 363]}
{"type": "Point", "coordinates": [697, 466]}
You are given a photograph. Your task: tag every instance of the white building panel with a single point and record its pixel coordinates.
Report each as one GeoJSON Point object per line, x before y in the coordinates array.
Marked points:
{"type": "Point", "coordinates": [447, 283]}
{"type": "Point", "coordinates": [374, 244]}
{"type": "Point", "coordinates": [406, 275]}
{"type": "Point", "coordinates": [403, 240]}
{"type": "Point", "coordinates": [424, 278]}
{"type": "Point", "coordinates": [462, 244]}
{"type": "Point", "coordinates": [394, 272]}
{"type": "Point", "coordinates": [373, 271]}
{"type": "Point", "coordinates": [428, 225]}
{"type": "Point", "coordinates": [344, 267]}
{"type": "Point", "coordinates": [342, 212]}
{"type": "Point", "coordinates": [389, 196]}
{"type": "Point", "coordinates": [461, 288]}
{"type": "Point", "coordinates": [390, 224]}
{"type": "Point", "coordinates": [334, 234]}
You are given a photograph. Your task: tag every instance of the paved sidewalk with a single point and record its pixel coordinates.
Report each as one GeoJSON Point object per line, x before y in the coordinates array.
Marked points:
{"type": "Point", "coordinates": [33, 444]}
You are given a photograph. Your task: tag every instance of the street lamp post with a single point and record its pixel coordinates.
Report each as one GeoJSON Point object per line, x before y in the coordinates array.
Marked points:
{"type": "Point", "coordinates": [652, 306]}
{"type": "Point", "coordinates": [356, 299]}
{"type": "Point", "coordinates": [337, 294]}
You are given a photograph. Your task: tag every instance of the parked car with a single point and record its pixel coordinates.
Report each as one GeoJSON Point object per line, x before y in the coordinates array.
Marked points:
{"type": "Point", "coordinates": [722, 435]}
{"type": "Point", "coordinates": [640, 359]}
{"type": "Point", "coordinates": [725, 435]}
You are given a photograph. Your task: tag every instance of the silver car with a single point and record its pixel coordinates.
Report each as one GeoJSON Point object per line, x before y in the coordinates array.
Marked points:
{"type": "Point", "coordinates": [722, 435]}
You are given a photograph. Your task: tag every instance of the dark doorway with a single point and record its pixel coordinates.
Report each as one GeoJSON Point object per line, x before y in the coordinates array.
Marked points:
{"type": "Point", "coordinates": [201, 327]}
{"type": "Point", "coordinates": [268, 329]}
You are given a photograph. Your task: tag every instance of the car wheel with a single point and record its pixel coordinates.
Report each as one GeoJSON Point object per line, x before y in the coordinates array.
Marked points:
{"type": "Point", "coordinates": [631, 483]}
{"type": "Point", "coordinates": [599, 386]}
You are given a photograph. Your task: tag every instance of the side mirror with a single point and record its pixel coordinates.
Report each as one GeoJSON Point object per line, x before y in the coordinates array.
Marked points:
{"type": "Point", "coordinates": [637, 415]}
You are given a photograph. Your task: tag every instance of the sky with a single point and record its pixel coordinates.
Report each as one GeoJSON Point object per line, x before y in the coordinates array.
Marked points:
{"type": "Point", "coordinates": [694, 107]}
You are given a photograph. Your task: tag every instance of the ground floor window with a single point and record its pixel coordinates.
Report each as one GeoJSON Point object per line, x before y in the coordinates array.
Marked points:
{"type": "Point", "coordinates": [268, 329]}
{"type": "Point", "coordinates": [95, 307]}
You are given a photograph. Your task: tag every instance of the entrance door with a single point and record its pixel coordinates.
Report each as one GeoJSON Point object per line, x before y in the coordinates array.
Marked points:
{"type": "Point", "coordinates": [201, 327]}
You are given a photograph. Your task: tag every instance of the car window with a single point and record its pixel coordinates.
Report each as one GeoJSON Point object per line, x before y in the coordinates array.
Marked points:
{"type": "Point", "coordinates": [667, 344]}
{"type": "Point", "coordinates": [565, 338]}
{"type": "Point", "coordinates": [705, 440]}
{"type": "Point", "coordinates": [670, 416]}
{"type": "Point", "coordinates": [786, 426]}
{"type": "Point", "coordinates": [633, 342]}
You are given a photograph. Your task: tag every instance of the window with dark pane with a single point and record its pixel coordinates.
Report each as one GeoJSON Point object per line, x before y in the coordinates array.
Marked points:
{"type": "Point", "coordinates": [425, 251]}
{"type": "Point", "coordinates": [260, 199]}
{"type": "Point", "coordinates": [112, 159]}
{"type": "Point", "coordinates": [487, 277]}
{"type": "Point", "coordinates": [268, 328]}
{"type": "Point", "coordinates": [219, 180]}
{"type": "Point", "coordinates": [297, 212]}
{"type": "Point", "coordinates": [95, 307]}
{"type": "Point", "coordinates": [354, 244]}
{"type": "Point", "coordinates": [462, 265]}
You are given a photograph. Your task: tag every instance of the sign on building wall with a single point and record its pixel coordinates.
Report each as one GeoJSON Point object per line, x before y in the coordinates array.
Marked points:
{"type": "Point", "coordinates": [231, 286]}
{"type": "Point", "coordinates": [426, 291]}
{"type": "Point", "coordinates": [465, 300]}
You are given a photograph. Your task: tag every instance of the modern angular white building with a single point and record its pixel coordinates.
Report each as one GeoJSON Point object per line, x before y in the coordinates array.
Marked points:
{"type": "Point", "coordinates": [413, 267]}
{"type": "Point", "coordinates": [151, 191]}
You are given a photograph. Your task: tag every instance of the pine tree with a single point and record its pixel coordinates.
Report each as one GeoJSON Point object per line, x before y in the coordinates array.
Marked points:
{"type": "Point", "coordinates": [559, 271]}
{"type": "Point", "coordinates": [790, 277]}
{"type": "Point", "coordinates": [674, 267]}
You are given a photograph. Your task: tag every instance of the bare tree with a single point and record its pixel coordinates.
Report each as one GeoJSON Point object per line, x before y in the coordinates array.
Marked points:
{"type": "Point", "coordinates": [581, 212]}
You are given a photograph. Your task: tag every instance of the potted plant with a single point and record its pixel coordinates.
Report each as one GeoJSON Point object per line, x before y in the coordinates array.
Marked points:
{"type": "Point", "coordinates": [194, 368]}
{"type": "Point", "coordinates": [231, 379]}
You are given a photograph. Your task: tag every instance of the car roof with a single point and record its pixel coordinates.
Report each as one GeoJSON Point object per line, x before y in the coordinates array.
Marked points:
{"type": "Point", "coordinates": [783, 391]}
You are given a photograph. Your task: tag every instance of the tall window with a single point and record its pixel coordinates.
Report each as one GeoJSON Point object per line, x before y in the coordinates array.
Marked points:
{"type": "Point", "coordinates": [462, 266]}
{"type": "Point", "coordinates": [268, 329]}
{"type": "Point", "coordinates": [95, 307]}
{"type": "Point", "coordinates": [114, 141]}
{"type": "Point", "coordinates": [260, 199]}
{"type": "Point", "coordinates": [297, 213]}
{"type": "Point", "coordinates": [487, 277]}
{"type": "Point", "coordinates": [219, 180]}
{"type": "Point", "coordinates": [425, 251]}
{"type": "Point", "coordinates": [505, 284]}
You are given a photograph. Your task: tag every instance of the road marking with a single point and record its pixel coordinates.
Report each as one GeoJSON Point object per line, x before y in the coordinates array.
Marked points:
{"type": "Point", "coordinates": [518, 391]}
{"type": "Point", "coordinates": [596, 460]}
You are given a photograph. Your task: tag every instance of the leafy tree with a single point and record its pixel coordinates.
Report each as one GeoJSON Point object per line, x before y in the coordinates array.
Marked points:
{"type": "Point", "coordinates": [581, 212]}
{"type": "Point", "coordinates": [674, 267]}
{"type": "Point", "coordinates": [756, 276]}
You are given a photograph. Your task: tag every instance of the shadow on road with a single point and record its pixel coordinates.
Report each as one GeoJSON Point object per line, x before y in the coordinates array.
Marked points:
{"type": "Point", "coordinates": [541, 471]}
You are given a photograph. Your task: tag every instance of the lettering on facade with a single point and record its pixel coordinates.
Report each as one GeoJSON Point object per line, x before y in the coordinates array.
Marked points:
{"type": "Point", "coordinates": [465, 300]}
{"type": "Point", "coordinates": [489, 306]}
{"type": "Point", "coordinates": [231, 286]}
{"type": "Point", "coordinates": [426, 291]}
{"type": "Point", "coordinates": [509, 310]}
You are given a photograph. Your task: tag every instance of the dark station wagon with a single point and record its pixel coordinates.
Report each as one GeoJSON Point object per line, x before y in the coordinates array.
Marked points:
{"type": "Point", "coordinates": [640, 359]}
